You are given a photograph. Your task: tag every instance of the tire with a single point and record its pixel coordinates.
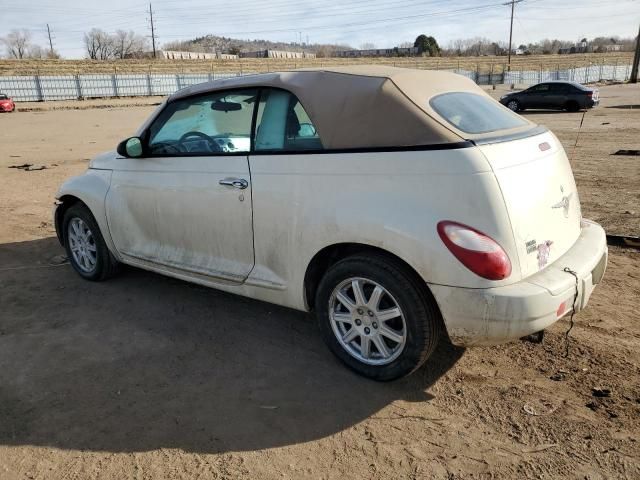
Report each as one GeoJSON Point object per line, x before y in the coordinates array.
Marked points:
{"type": "Point", "coordinates": [419, 323]}
{"type": "Point", "coordinates": [514, 105]}
{"type": "Point", "coordinates": [572, 106]}
{"type": "Point", "coordinates": [104, 265]}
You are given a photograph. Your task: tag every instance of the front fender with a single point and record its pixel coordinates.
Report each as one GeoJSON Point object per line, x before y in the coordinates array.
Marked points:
{"type": "Point", "coordinates": [91, 189]}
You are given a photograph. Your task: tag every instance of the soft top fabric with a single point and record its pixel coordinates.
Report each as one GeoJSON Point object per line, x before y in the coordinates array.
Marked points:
{"type": "Point", "coordinates": [365, 106]}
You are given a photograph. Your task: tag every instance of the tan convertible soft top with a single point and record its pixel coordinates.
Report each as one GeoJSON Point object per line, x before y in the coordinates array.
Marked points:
{"type": "Point", "coordinates": [365, 106]}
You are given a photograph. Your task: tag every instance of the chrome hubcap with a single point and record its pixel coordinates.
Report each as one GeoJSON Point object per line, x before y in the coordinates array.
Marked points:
{"type": "Point", "coordinates": [367, 321]}
{"type": "Point", "coordinates": [82, 245]}
{"type": "Point", "coordinates": [513, 105]}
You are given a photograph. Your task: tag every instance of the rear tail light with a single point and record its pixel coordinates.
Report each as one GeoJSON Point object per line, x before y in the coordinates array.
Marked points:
{"type": "Point", "coordinates": [589, 94]}
{"type": "Point", "coordinates": [475, 250]}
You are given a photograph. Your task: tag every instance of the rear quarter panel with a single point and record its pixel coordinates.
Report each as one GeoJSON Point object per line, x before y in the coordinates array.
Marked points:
{"type": "Point", "coordinates": [391, 200]}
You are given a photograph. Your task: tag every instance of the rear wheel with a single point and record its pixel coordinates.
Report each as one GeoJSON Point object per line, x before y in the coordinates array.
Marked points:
{"type": "Point", "coordinates": [85, 246]}
{"type": "Point", "coordinates": [513, 105]}
{"type": "Point", "coordinates": [572, 106]}
{"type": "Point", "coordinates": [375, 317]}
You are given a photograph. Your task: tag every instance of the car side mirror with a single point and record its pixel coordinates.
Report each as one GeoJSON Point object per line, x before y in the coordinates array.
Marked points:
{"type": "Point", "coordinates": [130, 148]}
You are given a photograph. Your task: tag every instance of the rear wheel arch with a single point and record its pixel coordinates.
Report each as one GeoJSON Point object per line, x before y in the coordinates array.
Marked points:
{"type": "Point", "coordinates": [572, 106]}
{"type": "Point", "coordinates": [330, 255]}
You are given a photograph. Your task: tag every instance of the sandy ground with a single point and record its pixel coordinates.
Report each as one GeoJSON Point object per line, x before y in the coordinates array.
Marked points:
{"type": "Point", "coordinates": [147, 377]}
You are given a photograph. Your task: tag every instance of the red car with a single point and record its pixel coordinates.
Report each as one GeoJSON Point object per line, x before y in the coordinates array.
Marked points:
{"type": "Point", "coordinates": [6, 104]}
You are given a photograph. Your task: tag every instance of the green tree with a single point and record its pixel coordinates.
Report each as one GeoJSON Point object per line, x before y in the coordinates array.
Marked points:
{"type": "Point", "coordinates": [427, 45]}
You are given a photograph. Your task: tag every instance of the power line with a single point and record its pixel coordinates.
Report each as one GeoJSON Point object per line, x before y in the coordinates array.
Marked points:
{"type": "Point", "coordinates": [513, 4]}
{"type": "Point", "coordinates": [50, 42]}
{"type": "Point", "coordinates": [153, 33]}
{"type": "Point", "coordinates": [636, 61]}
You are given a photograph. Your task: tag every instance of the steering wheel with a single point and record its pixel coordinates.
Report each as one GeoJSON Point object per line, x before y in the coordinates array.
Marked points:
{"type": "Point", "coordinates": [213, 145]}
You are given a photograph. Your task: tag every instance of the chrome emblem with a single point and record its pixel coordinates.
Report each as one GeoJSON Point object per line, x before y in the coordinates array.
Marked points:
{"type": "Point", "coordinates": [565, 203]}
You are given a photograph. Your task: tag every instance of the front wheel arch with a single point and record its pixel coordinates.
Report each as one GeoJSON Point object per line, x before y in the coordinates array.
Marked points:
{"type": "Point", "coordinates": [65, 202]}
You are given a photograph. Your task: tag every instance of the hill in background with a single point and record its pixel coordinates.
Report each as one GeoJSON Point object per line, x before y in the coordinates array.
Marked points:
{"type": "Point", "coordinates": [213, 43]}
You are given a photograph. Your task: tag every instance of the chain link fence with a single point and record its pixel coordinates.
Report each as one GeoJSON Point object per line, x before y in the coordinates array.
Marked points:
{"type": "Point", "coordinates": [38, 88]}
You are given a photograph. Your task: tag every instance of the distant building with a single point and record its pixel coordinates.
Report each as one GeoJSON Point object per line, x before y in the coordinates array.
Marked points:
{"type": "Point", "coordinates": [612, 47]}
{"type": "Point", "coordinates": [276, 54]}
{"type": "Point", "coordinates": [175, 55]}
{"type": "Point", "coordinates": [379, 52]}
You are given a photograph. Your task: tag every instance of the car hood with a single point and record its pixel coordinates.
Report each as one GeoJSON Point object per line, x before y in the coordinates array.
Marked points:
{"type": "Point", "coordinates": [103, 161]}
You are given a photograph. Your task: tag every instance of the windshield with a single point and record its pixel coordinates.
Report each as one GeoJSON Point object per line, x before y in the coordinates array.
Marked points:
{"type": "Point", "coordinates": [474, 113]}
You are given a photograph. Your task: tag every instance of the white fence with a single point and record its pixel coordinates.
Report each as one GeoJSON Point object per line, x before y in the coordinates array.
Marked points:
{"type": "Point", "coordinates": [37, 88]}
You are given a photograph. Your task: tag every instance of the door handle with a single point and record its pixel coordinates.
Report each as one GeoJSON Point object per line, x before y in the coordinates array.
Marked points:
{"type": "Point", "coordinates": [239, 183]}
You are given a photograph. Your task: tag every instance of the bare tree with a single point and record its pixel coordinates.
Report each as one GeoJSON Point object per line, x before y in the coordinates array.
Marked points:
{"type": "Point", "coordinates": [129, 44]}
{"type": "Point", "coordinates": [458, 46]}
{"type": "Point", "coordinates": [36, 51]}
{"type": "Point", "coordinates": [368, 46]}
{"type": "Point", "coordinates": [17, 43]}
{"type": "Point", "coordinates": [99, 44]}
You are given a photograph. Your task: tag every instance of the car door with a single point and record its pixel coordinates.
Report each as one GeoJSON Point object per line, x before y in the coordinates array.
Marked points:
{"type": "Point", "coordinates": [556, 97]}
{"type": "Point", "coordinates": [187, 204]}
{"type": "Point", "coordinates": [536, 96]}
{"type": "Point", "coordinates": [290, 174]}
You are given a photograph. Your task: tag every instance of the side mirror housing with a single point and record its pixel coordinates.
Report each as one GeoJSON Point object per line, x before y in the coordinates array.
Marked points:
{"type": "Point", "coordinates": [130, 148]}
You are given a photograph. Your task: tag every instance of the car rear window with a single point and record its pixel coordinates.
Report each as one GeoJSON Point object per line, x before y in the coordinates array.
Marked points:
{"type": "Point", "coordinates": [474, 113]}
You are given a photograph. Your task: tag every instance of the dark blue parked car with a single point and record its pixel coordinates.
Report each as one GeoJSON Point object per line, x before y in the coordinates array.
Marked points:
{"type": "Point", "coordinates": [556, 95]}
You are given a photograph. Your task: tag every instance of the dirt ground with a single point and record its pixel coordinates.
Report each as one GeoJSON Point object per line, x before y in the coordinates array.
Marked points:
{"type": "Point", "coordinates": [147, 377]}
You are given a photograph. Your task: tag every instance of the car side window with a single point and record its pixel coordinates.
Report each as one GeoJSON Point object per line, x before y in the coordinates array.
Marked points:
{"type": "Point", "coordinates": [282, 124]}
{"type": "Point", "coordinates": [559, 88]}
{"type": "Point", "coordinates": [542, 88]}
{"type": "Point", "coordinates": [213, 124]}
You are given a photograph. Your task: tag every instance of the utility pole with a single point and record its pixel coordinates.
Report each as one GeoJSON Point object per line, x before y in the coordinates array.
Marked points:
{"type": "Point", "coordinates": [636, 60]}
{"type": "Point", "coordinates": [50, 42]}
{"type": "Point", "coordinates": [513, 4]}
{"type": "Point", "coordinates": [153, 33]}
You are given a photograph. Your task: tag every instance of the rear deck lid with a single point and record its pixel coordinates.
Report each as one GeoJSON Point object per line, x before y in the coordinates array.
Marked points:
{"type": "Point", "coordinates": [540, 195]}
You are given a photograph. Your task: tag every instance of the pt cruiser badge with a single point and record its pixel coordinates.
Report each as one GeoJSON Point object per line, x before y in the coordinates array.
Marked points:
{"type": "Point", "coordinates": [564, 204]}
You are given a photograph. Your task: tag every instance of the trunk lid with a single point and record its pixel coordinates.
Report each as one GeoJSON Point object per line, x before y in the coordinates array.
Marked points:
{"type": "Point", "coordinates": [540, 194]}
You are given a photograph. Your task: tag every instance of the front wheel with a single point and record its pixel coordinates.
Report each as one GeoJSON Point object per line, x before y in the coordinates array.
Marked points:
{"type": "Point", "coordinates": [85, 246]}
{"type": "Point", "coordinates": [376, 317]}
{"type": "Point", "coordinates": [513, 105]}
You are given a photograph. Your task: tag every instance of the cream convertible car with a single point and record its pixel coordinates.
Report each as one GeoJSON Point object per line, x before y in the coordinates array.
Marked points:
{"type": "Point", "coordinates": [394, 203]}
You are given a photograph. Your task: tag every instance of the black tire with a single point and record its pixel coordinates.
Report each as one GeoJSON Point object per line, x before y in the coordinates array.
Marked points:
{"type": "Point", "coordinates": [422, 316]}
{"type": "Point", "coordinates": [514, 105]}
{"type": "Point", "coordinates": [106, 265]}
{"type": "Point", "coordinates": [572, 106]}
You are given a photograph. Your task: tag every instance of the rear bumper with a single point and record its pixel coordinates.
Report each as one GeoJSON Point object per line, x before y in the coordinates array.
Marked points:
{"type": "Point", "coordinates": [497, 315]}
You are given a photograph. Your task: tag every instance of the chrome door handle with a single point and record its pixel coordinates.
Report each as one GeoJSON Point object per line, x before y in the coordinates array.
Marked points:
{"type": "Point", "coordinates": [239, 183]}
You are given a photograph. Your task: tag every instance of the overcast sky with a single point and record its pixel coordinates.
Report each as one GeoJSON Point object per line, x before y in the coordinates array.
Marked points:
{"type": "Point", "coordinates": [385, 23]}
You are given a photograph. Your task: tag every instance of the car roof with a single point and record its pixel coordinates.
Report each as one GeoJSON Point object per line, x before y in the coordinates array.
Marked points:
{"type": "Point", "coordinates": [566, 82]}
{"type": "Point", "coordinates": [363, 106]}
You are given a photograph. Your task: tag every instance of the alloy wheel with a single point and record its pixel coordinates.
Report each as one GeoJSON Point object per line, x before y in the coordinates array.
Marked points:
{"type": "Point", "coordinates": [82, 245]}
{"type": "Point", "coordinates": [367, 321]}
